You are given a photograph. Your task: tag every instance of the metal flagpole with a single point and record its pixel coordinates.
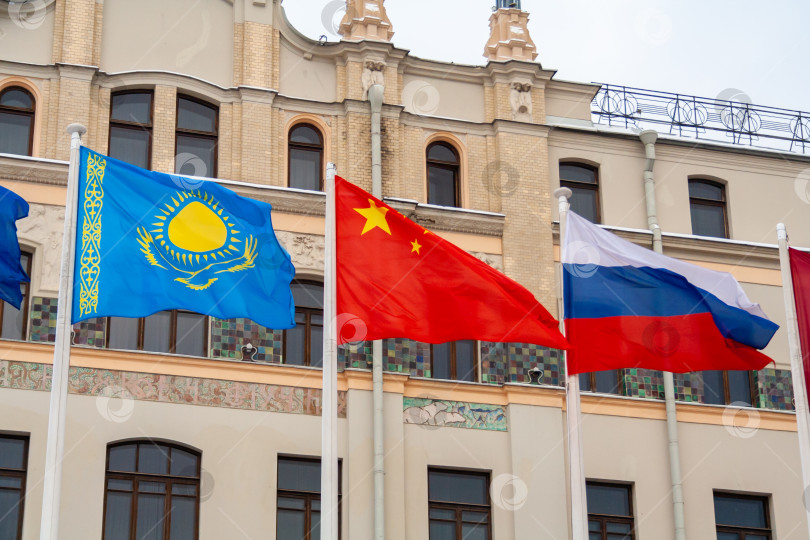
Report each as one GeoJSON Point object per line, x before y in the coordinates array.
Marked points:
{"type": "Point", "coordinates": [796, 364]}
{"type": "Point", "coordinates": [55, 446]}
{"type": "Point", "coordinates": [573, 415]}
{"type": "Point", "coordinates": [329, 448]}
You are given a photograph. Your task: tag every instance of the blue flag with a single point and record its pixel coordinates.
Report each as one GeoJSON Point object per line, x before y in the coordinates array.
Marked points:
{"type": "Point", "coordinates": [148, 241]}
{"type": "Point", "coordinates": [12, 208]}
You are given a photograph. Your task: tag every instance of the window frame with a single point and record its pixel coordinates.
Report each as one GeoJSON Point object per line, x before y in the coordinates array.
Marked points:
{"type": "Point", "coordinates": [207, 135]}
{"type": "Point", "coordinates": [24, 306]}
{"type": "Point", "coordinates": [136, 477]}
{"type": "Point", "coordinates": [604, 519]}
{"type": "Point", "coordinates": [32, 113]}
{"type": "Point", "coordinates": [172, 332]}
{"type": "Point", "coordinates": [309, 496]}
{"type": "Point", "coordinates": [453, 370]}
{"type": "Point", "coordinates": [709, 202]}
{"type": "Point", "coordinates": [743, 532]}
{"type": "Point", "coordinates": [591, 375]}
{"type": "Point", "coordinates": [308, 328]}
{"type": "Point", "coordinates": [727, 388]}
{"type": "Point", "coordinates": [595, 187]}
{"type": "Point", "coordinates": [135, 125]}
{"type": "Point", "coordinates": [19, 473]}
{"type": "Point", "coordinates": [461, 507]}
{"type": "Point", "coordinates": [307, 147]}
{"type": "Point", "coordinates": [446, 165]}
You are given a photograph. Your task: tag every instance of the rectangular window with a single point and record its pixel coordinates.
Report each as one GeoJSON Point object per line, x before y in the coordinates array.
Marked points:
{"type": "Point", "coordinates": [458, 505]}
{"type": "Point", "coordinates": [583, 181]}
{"type": "Point", "coordinates": [707, 205]}
{"type": "Point", "coordinates": [610, 511]}
{"type": "Point", "coordinates": [131, 127]}
{"type": "Point", "coordinates": [298, 502]}
{"type": "Point", "coordinates": [13, 321]}
{"type": "Point", "coordinates": [175, 332]}
{"type": "Point", "coordinates": [729, 387]}
{"type": "Point", "coordinates": [13, 467]}
{"type": "Point", "coordinates": [603, 382]}
{"type": "Point", "coordinates": [742, 517]}
{"type": "Point", "coordinates": [196, 138]}
{"type": "Point", "coordinates": [456, 360]}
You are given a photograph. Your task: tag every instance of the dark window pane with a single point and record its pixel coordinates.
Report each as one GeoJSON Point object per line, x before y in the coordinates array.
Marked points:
{"type": "Point", "coordinates": [13, 322]}
{"type": "Point", "coordinates": [713, 392]}
{"type": "Point", "coordinates": [17, 98]}
{"type": "Point", "coordinates": [442, 152]}
{"type": "Point", "coordinates": [307, 295]}
{"type": "Point", "coordinates": [15, 133]}
{"type": "Point", "coordinates": [442, 530]}
{"type": "Point", "coordinates": [12, 453]}
{"type": "Point", "coordinates": [577, 173]}
{"type": "Point", "coordinates": [708, 220]}
{"type": "Point", "coordinates": [618, 527]}
{"type": "Point", "coordinates": [292, 503]}
{"type": "Point", "coordinates": [607, 382]}
{"type": "Point", "coordinates": [440, 358]}
{"type": "Point", "coordinates": [10, 482]}
{"type": "Point", "coordinates": [157, 332]}
{"type": "Point", "coordinates": [119, 485]}
{"type": "Point", "coordinates": [316, 345]}
{"type": "Point", "coordinates": [297, 475]}
{"type": "Point", "coordinates": [474, 532]}
{"type": "Point", "coordinates": [442, 513]}
{"type": "Point", "coordinates": [608, 500]}
{"type": "Point", "coordinates": [183, 518]}
{"type": "Point", "coordinates": [149, 523]}
{"type": "Point", "coordinates": [465, 361]}
{"type": "Point", "coordinates": [585, 382]}
{"type": "Point", "coordinates": [305, 169]}
{"type": "Point", "coordinates": [474, 517]}
{"type": "Point", "coordinates": [152, 487]}
{"type": "Point", "coordinates": [305, 134]}
{"type": "Point", "coordinates": [594, 536]}
{"type": "Point", "coordinates": [183, 463]}
{"type": "Point", "coordinates": [135, 107]}
{"type": "Point", "coordinates": [122, 458]}
{"type": "Point", "coordinates": [584, 202]}
{"type": "Point", "coordinates": [704, 190]}
{"type": "Point", "coordinates": [9, 513]}
{"type": "Point", "coordinates": [463, 488]}
{"type": "Point", "coordinates": [728, 536]}
{"type": "Point", "coordinates": [204, 149]}
{"type": "Point", "coordinates": [740, 511]}
{"type": "Point", "coordinates": [189, 490]}
{"type": "Point", "coordinates": [195, 116]}
{"type": "Point", "coordinates": [123, 333]}
{"type": "Point", "coordinates": [190, 334]}
{"type": "Point", "coordinates": [739, 387]}
{"type": "Point", "coordinates": [315, 519]}
{"type": "Point", "coordinates": [153, 459]}
{"type": "Point", "coordinates": [295, 345]}
{"type": "Point", "coordinates": [130, 145]}
{"type": "Point", "coordinates": [291, 524]}
{"type": "Point", "coordinates": [441, 186]}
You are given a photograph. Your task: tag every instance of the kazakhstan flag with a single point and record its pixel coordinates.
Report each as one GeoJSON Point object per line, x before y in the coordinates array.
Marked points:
{"type": "Point", "coordinates": [148, 241]}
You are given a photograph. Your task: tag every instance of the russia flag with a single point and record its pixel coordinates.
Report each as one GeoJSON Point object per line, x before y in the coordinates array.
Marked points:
{"type": "Point", "coordinates": [629, 307]}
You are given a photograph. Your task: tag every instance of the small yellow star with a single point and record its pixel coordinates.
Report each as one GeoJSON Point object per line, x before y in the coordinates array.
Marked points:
{"type": "Point", "coordinates": [415, 247]}
{"type": "Point", "coordinates": [375, 217]}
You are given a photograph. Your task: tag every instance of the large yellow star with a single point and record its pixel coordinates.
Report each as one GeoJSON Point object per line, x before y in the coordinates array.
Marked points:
{"type": "Point", "coordinates": [415, 246]}
{"type": "Point", "coordinates": [375, 217]}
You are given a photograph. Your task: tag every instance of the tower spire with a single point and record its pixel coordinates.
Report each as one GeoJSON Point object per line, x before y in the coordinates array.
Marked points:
{"type": "Point", "coordinates": [509, 37]}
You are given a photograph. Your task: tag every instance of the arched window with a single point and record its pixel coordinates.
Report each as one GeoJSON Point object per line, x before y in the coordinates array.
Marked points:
{"type": "Point", "coordinates": [12, 320]}
{"type": "Point", "coordinates": [305, 158]}
{"type": "Point", "coordinates": [17, 107]}
{"type": "Point", "coordinates": [303, 345]}
{"type": "Point", "coordinates": [443, 175]}
{"type": "Point", "coordinates": [707, 204]}
{"type": "Point", "coordinates": [583, 181]}
{"type": "Point", "coordinates": [131, 127]}
{"type": "Point", "coordinates": [152, 491]}
{"type": "Point", "coordinates": [196, 142]}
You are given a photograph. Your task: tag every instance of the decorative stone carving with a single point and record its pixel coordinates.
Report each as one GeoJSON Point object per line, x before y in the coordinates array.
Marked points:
{"type": "Point", "coordinates": [306, 250]}
{"type": "Point", "coordinates": [495, 261]}
{"type": "Point", "coordinates": [372, 74]}
{"type": "Point", "coordinates": [43, 228]}
{"type": "Point", "coordinates": [520, 98]}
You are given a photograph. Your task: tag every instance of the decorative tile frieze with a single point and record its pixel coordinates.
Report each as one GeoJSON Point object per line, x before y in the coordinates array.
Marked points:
{"type": "Point", "coordinates": [43, 319]}
{"type": "Point", "coordinates": [229, 336]}
{"type": "Point", "coordinates": [407, 356]}
{"type": "Point", "coordinates": [432, 412]}
{"type": "Point", "coordinates": [643, 383]}
{"type": "Point", "coordinates": [91, 333]}
{"type": "Point", "coordinates": [775, 389]}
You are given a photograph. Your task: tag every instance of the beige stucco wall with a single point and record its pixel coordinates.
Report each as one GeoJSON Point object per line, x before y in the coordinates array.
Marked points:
{"type": "Point", "coordinates": [314, 79]}
{"type": "Point", "coordinates": [34, 30]}
{"type": "Point", "coordinates": [433, 96]}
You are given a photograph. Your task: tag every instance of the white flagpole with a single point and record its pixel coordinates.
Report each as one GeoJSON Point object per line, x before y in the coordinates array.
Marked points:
{"type": "Point", "coordinates": [573, 415]}
{"type": "Point", "coordinates": [796, 364]}
{"type": "Point", "coordinates": [329, 447]}
{"type": "Point", "coordinates": [55, 445]}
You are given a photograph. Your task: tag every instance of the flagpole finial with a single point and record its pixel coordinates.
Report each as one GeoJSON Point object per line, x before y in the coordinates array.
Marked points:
{"type": "Point", "coordinates": [562, 192]}
{"type": "Point", "coordinates": [76, 130]}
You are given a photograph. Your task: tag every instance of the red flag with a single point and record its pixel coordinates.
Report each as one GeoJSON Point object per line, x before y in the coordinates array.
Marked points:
{"type": "Point", "coordinates": [403, 281]}
{"type": "Point", "coordinates": [800, 268]}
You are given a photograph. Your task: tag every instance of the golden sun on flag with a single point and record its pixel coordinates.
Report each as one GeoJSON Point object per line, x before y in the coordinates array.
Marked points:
{"type": "Point", "coordinates": [196, 237]}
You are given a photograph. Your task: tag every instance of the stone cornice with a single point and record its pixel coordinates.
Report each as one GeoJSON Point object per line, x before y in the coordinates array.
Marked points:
{"type": "Point", "coordinates": [450, 219]}
{"type": "Point", "coordinates": [35, 171]}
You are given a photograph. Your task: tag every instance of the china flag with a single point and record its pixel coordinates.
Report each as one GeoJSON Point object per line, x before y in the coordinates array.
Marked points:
{"type": "Point", "coordinates": [800, 268]}
{"type": "Point", "coordinates": [403, 281]}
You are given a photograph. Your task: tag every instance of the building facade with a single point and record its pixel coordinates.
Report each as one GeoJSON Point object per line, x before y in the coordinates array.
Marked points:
{"type": "Point", "coordinates": [184, 426]}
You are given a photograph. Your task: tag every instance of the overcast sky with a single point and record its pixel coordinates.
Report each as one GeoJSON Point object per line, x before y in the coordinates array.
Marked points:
{"type": "Point", "coordinates": [694, 47]}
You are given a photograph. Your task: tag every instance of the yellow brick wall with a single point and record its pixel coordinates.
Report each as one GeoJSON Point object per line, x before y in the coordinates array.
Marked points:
{"type": "Point", "coordinates": [163, 130]}
{"type": "Point", "coordinates": [79, 25]}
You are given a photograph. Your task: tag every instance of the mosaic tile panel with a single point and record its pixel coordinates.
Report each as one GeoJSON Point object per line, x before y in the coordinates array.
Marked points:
{"type": "Point", "coordinates": [524, 356]}
{"type": "Point", "coordinates": [170, 389]}
{"type": "Point", "coordinates": [775, 389]}
{"type": "Point", "coordinates": [92, 333]}
{"type": "Point", "coordinates": [356, 355]}
{"type": "Point", "coordinates": [43, 319]}
{"type": "Point", "coordinates": [229, 336]}
{"type": "Point", "coordinates": [407, 356]}
{"type": "Point", "coordinates": [643, 383]}
{"type": "Point", "coordinates": [688, 387]}
{"type": "Point", "coordinates": [430, 412]}
{"type": "Point", "coordinates": [494, 367]}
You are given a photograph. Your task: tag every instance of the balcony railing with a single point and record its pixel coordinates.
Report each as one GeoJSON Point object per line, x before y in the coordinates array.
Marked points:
{"type": "Point", "coordinates": [716, 120]}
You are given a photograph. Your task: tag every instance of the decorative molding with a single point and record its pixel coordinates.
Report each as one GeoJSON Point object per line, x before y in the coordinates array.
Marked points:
{"type": "Point", "coordinates": [520, 99]}
{"type": "Point", "coordinates": [44, 228]}
{"type": "Point", "coordinates": [450, 219]}
{"type": "Point", "coordinates": [307, 250]}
